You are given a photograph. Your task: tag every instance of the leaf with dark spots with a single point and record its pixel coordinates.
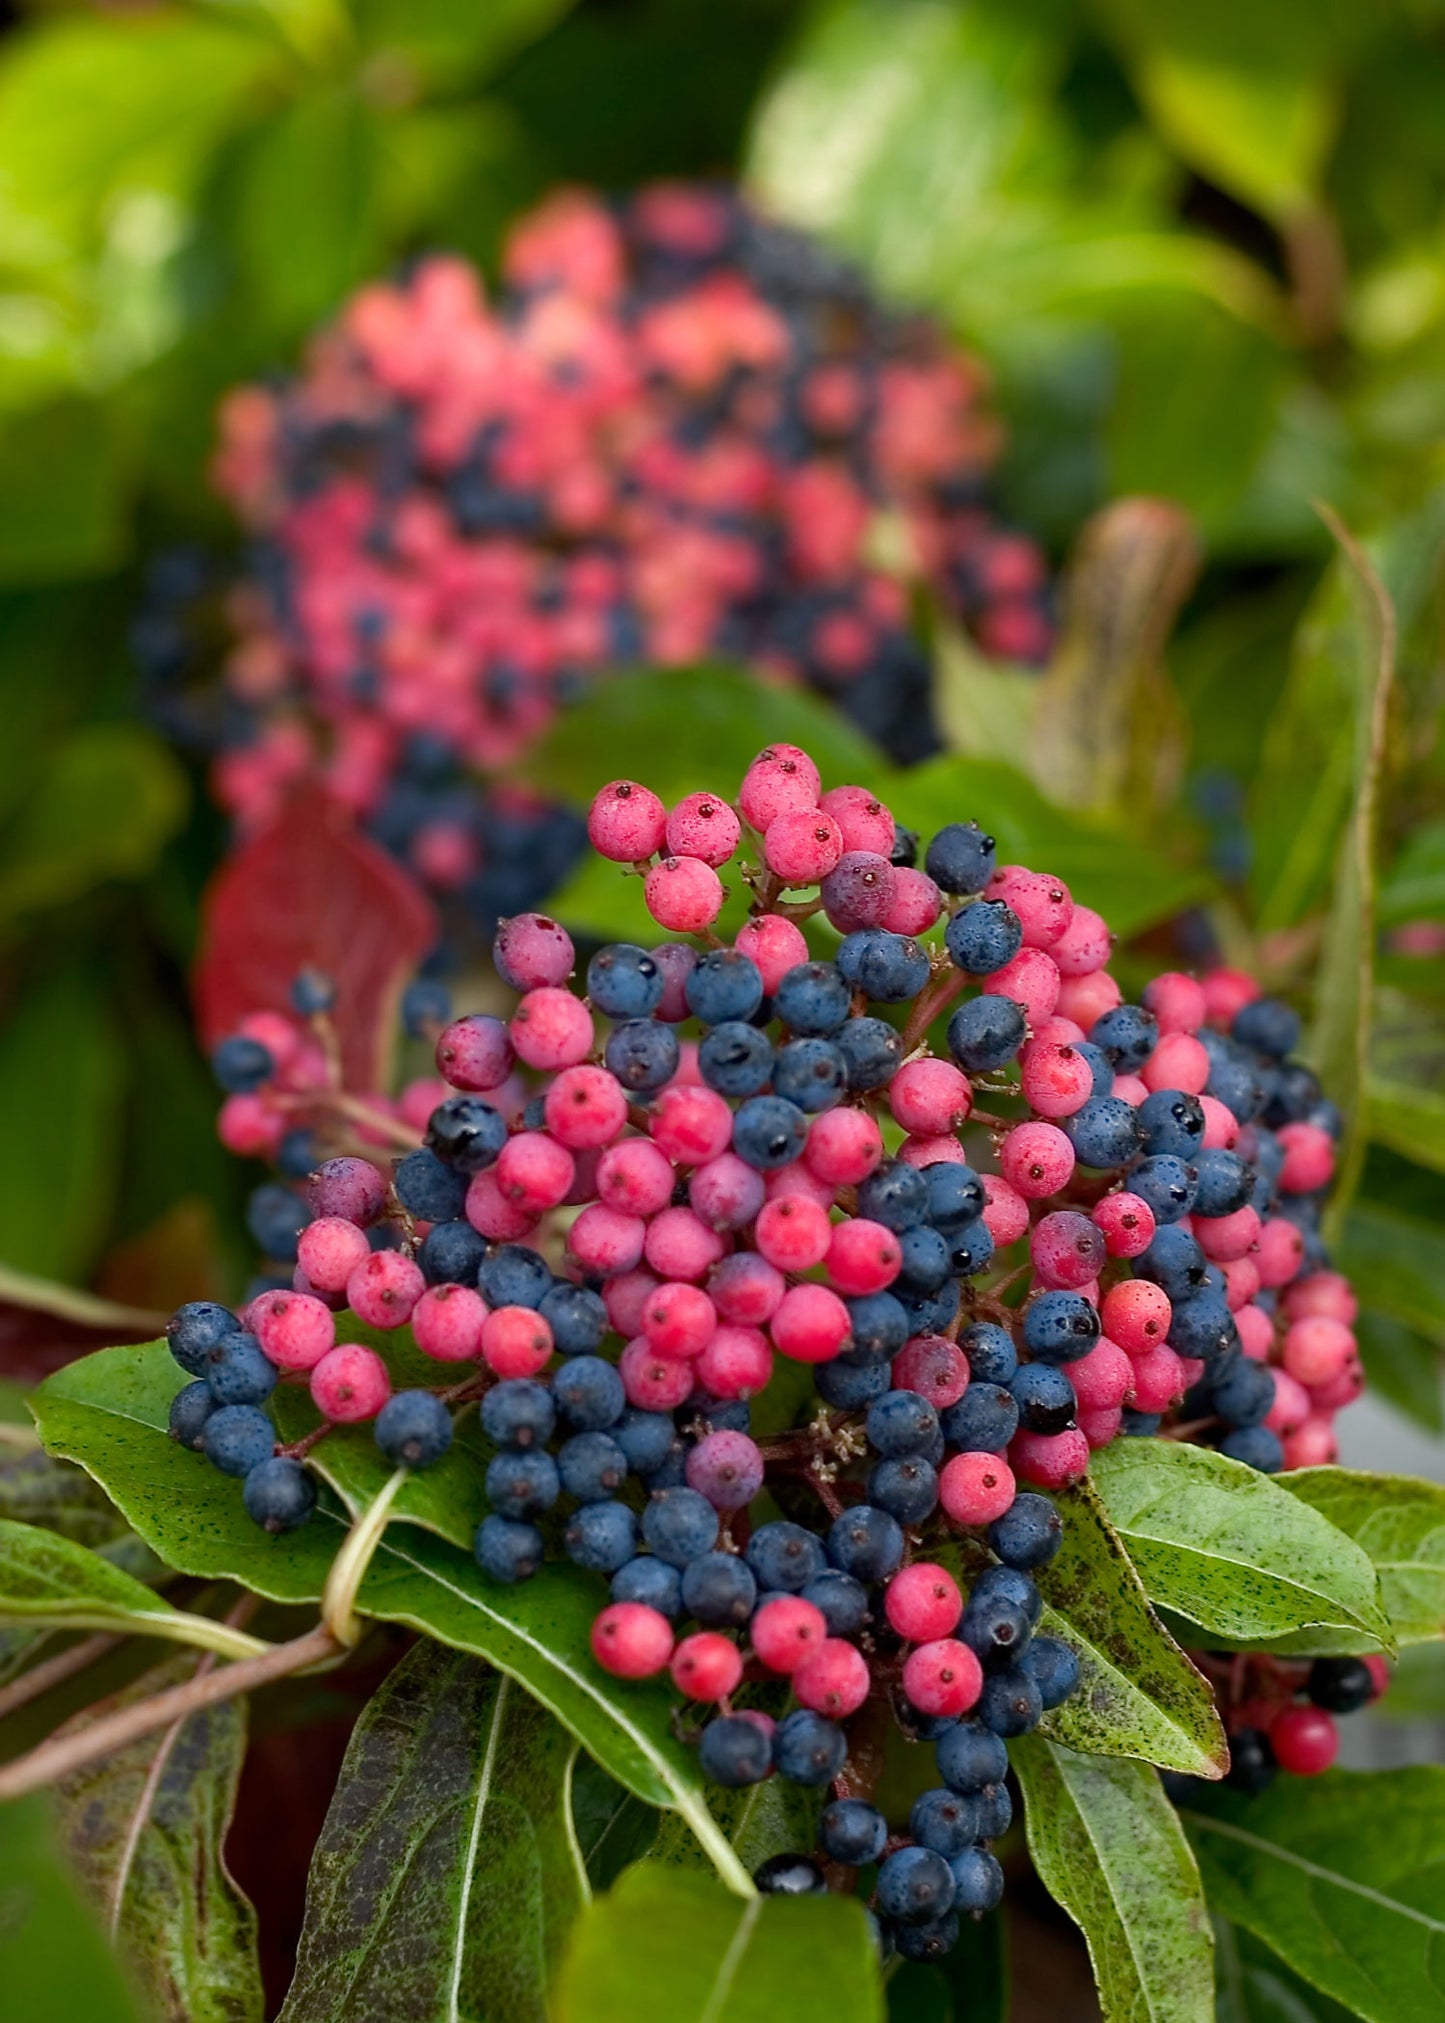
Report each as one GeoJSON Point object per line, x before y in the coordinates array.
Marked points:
{"type": "Point", "coordinates": [37, 1489]}
{"type": "Point", "coordinates": [145, 1829]}
{"type": "Point", "coordinates": [447, 1876]}
{"type": "Point", "coordinates": [613, 1828]}
{"type": "Point", "coordinates": [311, 892]}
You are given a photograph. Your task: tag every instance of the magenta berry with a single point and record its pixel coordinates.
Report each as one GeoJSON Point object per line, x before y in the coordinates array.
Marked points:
{"type": "Point", "coordinates": [535, 1172]}
{"type": "Point", "coordinates": [726, 1193]}
{"type": "Point", "coordinates": [516, 1342]}
{"type": "Point", "coordinates": [776, 945]}
{"type": "Point", "coordinates": [691, 1125]}
{"type": "Point", "coordinates": [863, 1256]}
{"type": "Point", "coordinates": [550, 1029]}
{"type": "Point", "coordinates": [833, 1680]}
{"type": "Point", "coordinates": [530, 950]}
{"type": "Point", "coordinates": [1032, 980]}
{"type": "Point", "coordinates": [679, 1320]}
{"type": "Point", "coordinates": [703, 826]}
{"type": "Point", "coordinates": [801, 848]}
{"type": "Point", "coordinates": [862, 820]}
{"type": "Point", "coordinates": [351, 1189]}
{"type": "Point", "coordinates": [923, 1602]}
{"type": "Point", "coordinates": [975, 1489]}
{"type": "Point", "coordinates": [586, 1107]}
{"type": "Point", "coordinates": [746, 1288]}
{"type": "Point", "coordinates": [780, 780]}
{"type": "Point", "coordinates": [1126, 1223]}
{"type": "Point", "coordinates": [1178, 1003]}
{"type": "Point", "coordinates": [736, 1362]}
{"type": "Point", "coordinates": [934, 1367]}
{"type": "Point", "coordinates": [726, 1468]}
{"type": "Point", "coordinates": [627, 823]}
{"type": "Point", "coordinates": [447, 1322]}
{"type": "Point", "coordinates": [707, 1666]}
{"type": "Point", "coordinates": [793, 1233]}
{"type": "Point", "coordinates": [1136, 1315]}
{"type": "Point", "coordinates": [350, 1383]}
{"type": "Point", "coordinates": [631, 1640]}
{"type": "Point", "coordinates": [635, 1177]}
{"type": "Point", "coordinates": [653, 1383]}
{"type": "Point", "coordinates": [1050, 1460]}
{"type": "Point", "coordinates": [1044, 905]}
{"type": "Point", "coordinates": [494, 1214]}
{"type": "Point", "coordinates": [930, 1097]}
{"type": "Point", "coordinates": [843, 1147]}
{"type": "Point", "coordinates": [683, 894]}
{"type": "Point", "coordinates": [785, 1630]}
{"type": "Point", "coordinates": [1037, 1161]}
{"type": "Point", "coordinates": [329, 1250]}
{"type": "Point", "coordinates": [1067, 1249]}
{"type": "Point", "coordinates": [475, 1052]}
{"type": "Point", "coordinates": [294, 1329]}
{"type": "Point", "coordinates": [858, 891]}
{"type": "Point", "coordinates": [943, 1677]}
{"type": "Point", "coordinates": [1056, 1080]}
{"type": "Point", "coordinates": [811, 1324]}
{"type": "Point", "coordinates": [384, 1288]}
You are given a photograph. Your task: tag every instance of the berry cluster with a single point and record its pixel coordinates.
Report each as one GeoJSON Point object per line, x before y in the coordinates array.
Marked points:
{"type": "Point", "coordinates": [678, 431]}
{"type": "Point", "coordinates": [990, 1214]}
{"type": "Point", "coordinates": [1281, 1715]}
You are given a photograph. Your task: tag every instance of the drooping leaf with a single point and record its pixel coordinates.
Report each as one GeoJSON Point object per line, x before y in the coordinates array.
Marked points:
{"type": "Point", "coordinates": [145, 1830]}
{"type": "Point", "coordinates": [1253, 1985]}
{"type": "Point", "coordinates": [1343, 1876]}
{"type": "Point", "coordinates": [1229, 1549]}
{"type": "Point", "coordinates": [1396, 1262]}
{"type": "Point", "coordinates": [102, 807]}
{"type": "Point", "coordinates": [311, 891]}
{"type": "Point", "coordinates": [54, 1959]}
{"type": "Point", "coordinates": [43, 1325]}
{"type": "Point", "coordinates": [1108, 1847]}
{"type": "Point", "coordinates": [48, 1581]}
{"type": "Point", "coordinates": [447, 1876]}
{"type": "Point", "coordinates": [664, 1945]}
{"type": "Point", "coordinates": [612, 1826]}
{"type": "Point", "coordinates": [1399, 1521]}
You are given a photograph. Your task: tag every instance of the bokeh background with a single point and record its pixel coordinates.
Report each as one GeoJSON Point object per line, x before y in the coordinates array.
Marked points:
{"type": "Point", "coordinates": [1201, 253]}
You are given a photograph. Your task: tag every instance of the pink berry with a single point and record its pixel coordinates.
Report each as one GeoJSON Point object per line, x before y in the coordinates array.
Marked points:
{"type": "Point", "coordinates": [1085, 944]}
{"type": "Point", "coordinates": [796, 1179]}
{"type": "Point", "coordinates": [858, 891]}
{"type": "Point", "coordinates": [776, 945]}
{"type": "Point", "coordinates": [652, 1382]}
{"type": "Point", "coordinates": [943, 1677]}
{"type": "Point", "coordinates": [630, 1640]}
{"type": "Point", "coordinates": [1279, 1251]}
{"type": "Point", "coordinates": [679, 1320]}
{"type": "Point", "coordinates": [811, 1324]}
{"type": "Point", "coordinates": [1379, 1670]}
{"type": "Point", "coordinates": [1050, 1460]}
{"type": "Point", "coordinates": [932, 1151]}
{"type": "Point", "coordinates": [1136, 1315]}
{"type": "Point", "coordinates": [933, 1366]}
{"type": "Point", "coordinates": [475, 1052]}
{"type": "Point", "coordinates": [625, 1297]}
{"type": "Point", "coordinates": [516, 1342]}
{"type": "Point", "coordinates": [1223, 1238]}
{"type": "Point", "coordinates": [1036, 1160]}
{"type": "Point", "coordinates": [833, 1680]}
{"type": "Point", "coordinates": [249, 1127]}
{"type": "Point", "coordinates": [351, 1189]}
{"type": "Point", "coordinates": [1241, 1282]}
{"type": "Point", "coordinates": [384, 1288]}
{"type": "Point", "coordinates": [1043, 904]}
{"type": "Point", "coordinates": [585, 1107]}
{"type": "Point", "coordinates": [1086, 998]}
{"type": "Point", "coordinates": [726, 1193]}
{"type": "Point", "coordinates": [676, 960]}
{"type": "Point", "coordinates": [864, 821]}
{"type": "Point", "coordinates": [863, 1256]}
{"type": "Point", "coordinates": [626, 822]}
{"type": "Point", "coordinates": [1177, 1002]}
{"type": "Point", "coordinates": [801, 848]}
{"type": "Point", "coordinates": [843, 1147]}
{"type": "Point", "coordinates": [683, 894]}
{"type": "Point", "coordinates": [779, 779]}
{"type": "Point", "coordinates": [350, 1383]}
{"type": "Point", "coordinates": [1104, 1378]}
{"type": "Point", "coordinates": [679, 1244]}
{"type": "Point", "coordinates": [1323, 1292]}
{"type": "Point", "coordinates": [329, 1250]}
{"type": "Point", "coordinates": [746, 1288]}
{"type": "Point", "coordinates": [1031, 980]}
{"type": "Point", "coordinates": [551, 1029]}
{"type": "Point", "coordinates": [534, 1171]}
{"type": "Point", "coordinates": [1317, 1349]}
{"type": "Point", "coordinates": [691, 1125]}
{"type": "Point", "coordinates": [736, 1363]}
{"type": "Point", "coordinates": [915, 905]}
{"type": "Point", "coordinates": [707, 1666]}
{"type": "Point", "coordinates": [1067, 1249]}
{"type": "Point", "coordinates": [1226, 993]}
{"type": "Point", "coordinates": [531, 950]}
{"type": "Point", "coordinates": [784, 1630]}
{"type": "Point", "coordinates": [604, 1241]}
{"type": "Point", "coordinates": [1177, 1062]}
{"type": "Point", "coordinates": [492, 1214]}
{"type": "Point", "coordinates": [1099, 1427]}
{"type": "Point", "coordinates": [275, 1032]}
{"type": "Point", "coordinates": [1340, 1390]}
{"type": "Point", "coordinates": [1309, 1158]}
{"type": "Point", "coordinates": [634, 1177]}
{"type": "Point", "coordinates": [930, 1097]}
{"type": "Point", "coordinates": [1056, 1080]}
{"type": "Point", "coordinates": [793, 1233]}
{"type": "Point", "coordinates": [1158, 1380]}
{"type": "Point", "coordinates": [1313, 1446]}
{"type": "Point", "coordinates": [447, 1322]}
{"type": "Point", "coordinates": [726, 1468]}
{"type": "Point", "coordinates": [295, 1331]}
{"type": "Point", "coordinates": [1256, 1332]}
{"type": "Point", "coordinates": [703, 826]}
{"type": "Point", "coordinates": [1129, 1089]}
{"type": "Point", "coordinates": [974, 1489]}
{"type": "Point", "coordinates": [922, 1602]}
{"type": "Point", "coordinates": [1305, 1740]}
{"type": "Point", "coordinates": [1126, 1222]}
{"type": "Point", "coordinates": [1059, 1031]}
{"type": "Point", "coordinates": [1221, 1126]}
{"type": "Point", "coordinates": [1006, 1215]}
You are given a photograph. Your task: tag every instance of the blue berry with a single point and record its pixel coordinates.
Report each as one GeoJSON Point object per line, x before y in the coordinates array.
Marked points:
{"type": "Point", "coordinates": [852, 1832]}
{"type": "Point", "coordinates": [1054, 1668]}
{"type": "Point", "coordinates": [784, 1555]}
{"type": "Point", "coordinates": [1059, 1327]}
{"type": "Point", "coordinates": [970, 1757]}
{"type": "Point", "coordinates": [977, 1881]}
{"type": "Point", "coordinates": [842, 1601]}
{"type": "Point", "coordinates": [1202, 1327]}
{"type": "Point", "coordinates": [719, 1589]}
{"type": "Point", "coordinates": [314, 992]}
{"type": "Point", "coordinates": [960, 858]}
{"type": "Point", "coordinates": [642, 1054]}
{"type": "Point", "coordinates": [1140, 1425]}
{"type": "Point", "coordinates": [1010, 1702]}
{"type": "Point", "coordinates": [592, 1466]}
{"type": "Point", "coordinates": [811, 1073]}
{"type": "Point", "coordinates": [1170, 1121]}
{"type": "Point", "coordinates": [896, 1195]}
{"type": "Point", "coordinates": [807, 1749]}
{"type": "Point", "coordinates": [576, 1316]}
{"type": "Point", "coordinates": [906, 1488]}
{"type": "Point", "coordinates": [426, 1006]}
{"type": "Point", "coordinates": [646, 1438]}
{"type": "Point", "coordinates": [1166, 1184]}
{"type": "Point", "coordinates": [430, 1189]}
{"type": "Point", "coordinates": [992, 1358]}
{"type": "Point", "coordinates": [970, 1248]}
{"type": "Point", "coordinates": [601, 1536]}
{"type": "Point", "coordinates": [1233, 1082]}
{"type": "Point", "coordinates": [514, 1276]}
{"type": "Point", "coordinates": [925, 1263]}
{"type": "Point", "coordinates": [278, 1494]}
{"type": "Point", "coordinates": [522, 1482]}
{"type": "Point", "coordinates": [679, 1525]}
{"type": "Point", "coordinates": [1104, 1133]}
{"type": "Point", "coordinates": [625, 982]}
{"type": "Point", "coordinates": [719, 1415]}
{"type": "Point", "coordinates": [1099, 1067]}
{"type": "Point", "coordinates": [872, 1053]}
{"type": "Point", "coordinates": [983, 937]}
{"type": "Point", "coordinates": [275, 1216]}
{"type": "Point", "coordinates": [1126, 1036]}
{"type": "Point", "coordinates": [889, 968]}
{"type": "Point", "coordinates": [518, 1413]}
{"type": "Point", "coordinates": [849, 1387]}
{"type": "Point", "coordinates": [901, 1422]}
{"type": "Point", "coordinates": [878, 1328]}
{"type": "Point", "coordinates": [1174, 1262]}
{"type": "Point", "coordinates": [813, 1000]}
{"type": "Point", "coordinates": [238, 1438]}
{"type": "Point", "coordinates": [671, 1471]}
{"type": "Point", "coordinates": [986, 1033]}
{"type": "Point", "coordinates": [238, 1371]}
{"type": "Point", "coordinates": [1044, 1396]}
{"type": "Point", "coordinates": [1000, 1615]}
{"type": "Point", "coordinates": [933, 1313]}
{"type": "Point", "coordinates": [241, 1065]}
{"type": "Point", "coordinates": [588, 1394]}
{"type": "Point", "coordinates": [1267, 1026]}
{"type": "Point", "coordinates": [192, 1405]}
{"type": "Point", "coordinates": [297, 1154]}
{"type": "Point", "coordinates": [983, 1421]}
{"type": "Point", "coordinates": [724, 984]}
{"type": "Point", "coordinates": [943, 1820]}
{"type": "Point", "coordinates": [650, 1581]}
{"type": "Point", "coordinates": [927, 1944]}
{"type": "Point", "coordinates": [955, 1195]}
{"type": "Point", "coordinates": [195, 1329]}
{"type": "Point", "coordinates": [1257, 1446]}
{"type": "Point", "coordinates": [915, 1886]}
{"type": "Point", "coordinates": [451, 1253]}
{"type": "Point", "coordinates": [413, 1429]}
{"type": "Point", "coordinates": [466, 1132]}
{"type": "Point", "coordinates": [735, 1059]}
{"type": "Point", "coordinates": [507, 1551]}
{"type": "Point", "coordinates": [1223, 1183]}
{"type": "Point", "coordinates": [734, 1751]}
{"type": "Point", "coordinates": [769, 1132]}
{"type": "Point", "coordinates": [865, 1542]}
{"type": "Point", "coordinates": [995, 1807]}
{"type": "Point", "coordinates": [1029, 1533]}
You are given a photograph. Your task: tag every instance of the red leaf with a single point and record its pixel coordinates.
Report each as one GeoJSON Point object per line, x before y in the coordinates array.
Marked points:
{"type": "Point", "coordinates": [311, 892]}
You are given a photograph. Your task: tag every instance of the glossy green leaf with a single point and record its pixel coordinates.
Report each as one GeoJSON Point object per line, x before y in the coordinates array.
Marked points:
{"type": "Point", "coordinates": [447, 1876]}
{"type": "Point", "coordinates": [55, 1964]}
{"type": "Point", "coordinates": [664, 1945]}
{"type": "Point", "coordinates": [1229, 1549]}
{"type": "Point", "coordinates": [1109, 1848]}
{"type": "Point", "coordinates": [1397, 1265]}
{"type": "Point", "coordinates": [145, 1830]}
{"type": "Point", "coordinates": [1344, 1877]}
{"type": "Point", "coordinates": [1253, 1985]}
{"type": "Point", "coordinates": [774, 1817]}
{"type": "Point", "coordinates": [36, 1489]}
{"type": "Point", "coordinates": [47, 1581]}
{"type": "Point", "coordinates": [1260, 132]}
{"type": "Point", "coordinates": [612, 1826]}
{"type": "Point", "coordinates": [1399, 1521]}
{"type": "Point", "coordinates": [102, 808]}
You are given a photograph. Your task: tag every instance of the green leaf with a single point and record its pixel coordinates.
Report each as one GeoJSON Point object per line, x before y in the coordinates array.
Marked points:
{"type": "Point", "coordinates": [1402, 1367]}
{"type": "Point", "coordinates": [665, 1945]}
{"type": "Point", "coordinates": [63, 492]}
{"type": "Point", "coordinates": [1409, 1120]}
{"type": "Point", "coordinates": [102, 808]}
{"type": "Point", "coordinates": [47, 1581]}
{"type": "Point", "coordinates": [1414, 886]}
{"type": "Point", "coordinates": [1399, 1521]}
{"type": "Point", "coordinates": [1344, 1877]}
{"type": "Point", "coordinates": [145, 1829]}
{"type": "Point", "coordinates": [774, 1817]}
{"type": "Point", "coordinates": [35, 1489]}
{"type": "Point", "coordinates": [1397, 1265]}
{"type": "Point", "coordinates": [55, 1965]}
{"type": "Point", "coordinates": [1260, 132]}
{"type": "Point", "coordinates": [61, 1070]}
{"type": "Point", "coordinates": [612, 1827]}
{"type": "Point", "coordinates": [447, 1877]}
{"type": "Point", "coordinates": [1417, 1686]}
{"type": "Point", "coordinates": [452, 43]}
{"type": "Point", "coordinates": [1138, 1694]}
{"type": "Point", "coordinates": [1229, 1549]}
{"type": "Point", "coordinates": [1255, 1986]}
{"type": "Point", "coordinates": [1108, 1847]}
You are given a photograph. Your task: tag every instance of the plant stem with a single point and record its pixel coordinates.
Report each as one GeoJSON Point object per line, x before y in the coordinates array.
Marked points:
{"type": "Point", "coordinates": [348, 1569]}
{"type": "Point", "coordinates": [57, 1757]}
{"type": "Point", "coordinates": [204, 1633]}
{"type": "Point", "coordinates": [54, 1672]}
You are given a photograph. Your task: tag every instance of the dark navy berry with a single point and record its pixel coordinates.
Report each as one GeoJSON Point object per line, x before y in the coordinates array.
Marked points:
{"type": "Point", "coordinates": [275, 1216]}
{"type": "Point", "coordinates": [1029, 1533]}
{"type": "Point", "coordinates": [241, 1065]}
{"type": "Point", "coordinates": [650, 1581]}
{"type": "Point", "coordinates": [1202, 1327]}
{"type": "Point", "coordinates": [813, 1000]}
{"type": "Point", "coordinates": [724, 984]}
{"type": "Point", "coordinates": [1252, 1767]}
{"type": "Point", "coordinates": [955, 1195]}
{"type": "Point", "coordinates": [1267, 1026]}
{"type": "Point", "coordinates": [1223, 1183]}
{"type": "Point", "coordinates": [735, 1059]}
{"type": "Point", "coordinates": [238, 1438]}
{"type": "Point", "coordinates": [889, 968]}
{"type": "Point", "coordinates": [1170, 1121]}
{"type": "Point", "coordinates": [670, 1472]}
{"type": "Point", "coordinates": [970, 1757]}
{"type": "Point", "coordinates": [894, 1194]}
{"type": "Point", "coordinates": [784, 1555]}
{"type": "Point", "coordinates": [992, 1358]}
{"type": "Point", "coordinates": [928, 1944]}
{"type": "Point", "coordinates": [807, 1749]}
{"type": "Point", "coordinates": [901, 1422]}
{"type": "Point", "coordinates": [1059, 1327]}
{"type": "Point", "coordinates": [981, 938]}
{"type": "Point", "coordinates": [1244, 1395]}
{"type": "Point", "coordinates": [429, 1188]}
{"type": "Point", "coordinates": [1257, 1446]}
{"type": "Point", "coordinates": [1000, 1615]}
{"type": "Point", "coordinates": [944, 1820]}
{"type": "Point", "coordinates": [592, 1466]}
{"type": "Point", "coordinates": [986, 1033]}
{"type": "Point", "coordinates": [1054, 1668]}
{"type": "Point", "coordinates": [984, 1420]}
{"type": "Point", "coordinates": [907, 1488]}
{"type": "Point", "coordinates": [789, 1875]}
{"type": "Point", "coordinates": [977, 1881]}
{"type": "Point", "coordinates": [872, 1053]}
{"type": "Point", "coordinates": [518, 1413]}
{"type": "Point", "coordinates": [851, 1387]}
{"type": "Point", "coordinates": [719, 1589]}
{"type": "Point", "coordinates": [278, 1493]}
{"type": "Point", "coordinates": [1234, 1082]}
{"type": "Point", "coordinates": [1099, 1067]}
{"type": "Point", "coordinates": [852, 1831]}
{"type": "Point", "coordinates": [960, 858]}
{"type": "Point", "coordinates": [1104, 1133]}
{"type": "Point", "coordinates": [970, 1248]}
{"type": "Point", "coordinates": [239, 1372]}
{"type": "Point", "coordinates": [679, 1525]}
{"type": "Point", "coordinates": [904, 853]}
{"type": "Point", "coordinates": [426, 1006]}
{"type": "Point", "coordinates": [1174, 1262]}
{"type": "Point", "coordinates": [734, 1751]}
{"type": "Point", "coordinates": [865, 1542]}
{"type": "Point", "coordinates": [879, 1327]}
{"type": "Point", "coordinates": [995, 1807]}
{"type": "Point", "coordinates": [933, 1313]}
{"type": "Point", "coordinates": [522, 1482]}
{"type": "Point", "coordinates": [769, 1132]}
{"type": "Point", "coordinates": [642, 1054]}
{"type": "Point", "coordinates": [625, 982]}
{"type": "Point", "coordinates": [588, 1394]}
{"type": "Point", "coordinates": [1140, 1425]}
{"type": "Point", "coordinates": [192, 1405]}
{"type": "Point", "coordinates": [195, 1329]}
{"type": "Point", "coordinates": [297, 1154]}
{"type": "Point", "coordinates": [1340, 1685]}
{"type": "Point", "coordinates": [1166, 1184]}
{"type": "Point", "coordinates": [576, 1316]}
{"type": "Point", "coordinates": [915, 1886]}
{"type": "Point", "coordinates": [507, 1551]}
{"type": "Point", "coordinates": [314, 992]}
{"type": "Point", "coordinates": [811, 1073]}
{"type": "Point", "coordinates": [646, 1438]}
{"type": "Point", "coordinates": [842, 1601]}
{"type": "Point", "coordinates": [1010, 1702]}
{"type": "Point", "coordinates": [601, 1536]}
{"type": "Point", "coordinates": [1126, 1036]}
{"type": "Point", "coordinates": [413, 1429]}
{"type": "Point", "coordinates": [466, 1132]}
{"type": "Point", "coordinates": [926, 1261]}
{"type": "Point", "coordinates": [514, 1276]}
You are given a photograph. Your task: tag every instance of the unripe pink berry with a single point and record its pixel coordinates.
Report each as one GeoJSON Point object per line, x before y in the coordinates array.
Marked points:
{"type": "Point", "coordinates": [785, 1629]}
{"type": "Point", "coordinates": [1050, 1460]}
{"type": "Point", "coordinates": [707, 1666]}
{"type": "Point", "coordinates": [1223, 1238]}
{"type": "Point", "coordinates": [1060, 1032]}
{"type": "Point", "coordinates": [1279, 1251]}
{"type": "Point", "coordinates": [683, 894]}
{"type": "Point", "coordinates": [1085, 944]}
{"type": "Point", "coordinates": [776, 945]}
{"type": "Point", "coordinates": [1006, 1214]}
{"type": "Point", "coordinates": [1340, 1390]}
{"type": "Point", "coordinates": [605, 1243]}
{"type": "Point", "coordinates": [329, 1250]}
{"type": "Point", "coordinates": [1177, 1002]}
{"type": "Point", "coordinates": [793, 1233]}
{"type": "Point", "coordinates": [248, 1126]}
{"type": "Point", "coordinates": [1314, 1445]}
{"type": "Point", "coordinates": [1158, 1380]}
{"type": "Point", "coordinates": [352, 1189]}
{"type": "Point", "coordinates": [726, 1468]}
{"type": "Point", "coordinates": [1323, 1292]}
{"type": "Point", "coordinates": [736, 1363]}
{"type": "Point", "coordinates": [680, 1245]}
{"type": "Point", "coordinates": [1066, 1249]}
{"type": "Point", "coordinates": [922, 1602]}
{"type": "Point", "coordinates": [1104, 1378]}
{"type": "Point", "coordinates": [843, 1147]}
{"type": "Point", "coordinates": [1309, 1158]}
{"type": "Point", "coordinates": [1317, 1349]}
{"type": "Point", "coordinates": [447, 1322]}
{"type": "Point", "coordinates": [974, 1489]}
{"type": "Point", "coordinates": [1226, 993]}
{"type": "Point", "coordinates": [534, 1171]}
{"type": "Point", "coordinates": [1291, 1405]}
{"type": "Point", "coordinates": [1036, 1160]}
{"type": "Point", "coordinates": [1086, 998]}
{"type": "Point", "coordinates": [1031, 980]}
{"type": "Point", "coordinates": [746, 1288]}
{"type": "Point", "coordinates": [801, 848]}
{"type": "Point", "coordinates": [1136, 1315]}
{"type": "Point", "coordinates": [551, 1029]}
{"type": "Point", "coordinates": [275, 1032]}
{"type": "Point", "coordinates": [492, 1214]}
{"type": "Point", "coordinates": [676, 960]}
{"type": "Point", "coordinates": [635, 1178]}
{"type": "Point", "coordinates": [780, 778]}
{"type": "Point", "coordinates": [625, 1297]}
{"type": "Point", "coordinates": [858, 891]}
{"type": "Point", "coordinates": [1044, 905]}
{"type": "Point", "coordinates": [294, 1329]}
{"type": "Point", "coordinates": [933, 1366]}
{"type": "Point", "coordinates": [585, 1107]}
{"type": "Point", "coordinates": [864, 821]}
{"type": "Point", "coordinates": [1126, 1222]}
{"type": "Point", "coordinates": [1177, 1062]}
{"type": "Point", "coordinates": [1221, 1126]}
{"type": "Point", "coordinates": [630, 1640]}
{"type": "Point", "coordinates": [516, 1342]}
{"type": "Point", "coordinates": [652, 1382]}
{"type": "Point", "coordinates": [1101, 1426]}
{"type": "Point", "coordinates": [863, 1256]}
{"type": "Point", "coordinates": [384, 1288]}
{"type": "Point", "coordinates": [916, 902]}
{"type": "Point", "coordinates": [942, 1678]}
{"type": "Point", "coordinates": [475, 1052]}
{"type": "Point", "coordinates": [626, 822]}
{"type": "Point", "coordinates": [833, 1680]}
{"type": "Point", "coordinates": [691, 1125]}
{"type": "Point", "coordinates": [811, 1324]}
{"type": "Point", "coordinates": [679, 1320]}
{"type": "Point", "coordinates": [944, 1150]}
{"type": "Point", "coordinates": [531, 950]}
{"type": "Point", "coordinates": [1256, 1332]}
{"type": "Point", "coordinates": [703, 826]}
{"type": "Point", "coordinates": [930, 1097]}
{"type": "Point", "coordinates": [1056, 1080]}
{"type": "Point", "coordinates": [796, 1179]}
{"type": "Point", "coordinates": [726, 1193]}
{"type": "Point", "coordinates": [350, 1383]}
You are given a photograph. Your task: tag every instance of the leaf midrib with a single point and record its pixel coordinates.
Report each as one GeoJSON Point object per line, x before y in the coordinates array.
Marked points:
{"type": "Point", "coordinates": [1124, 1923]}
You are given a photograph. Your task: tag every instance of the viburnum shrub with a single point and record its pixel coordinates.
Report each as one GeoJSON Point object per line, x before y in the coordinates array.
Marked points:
{"type": "Point", "coordinates": [677, 431]}
{"type": "Point", "coordinates": [789, 1290]}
